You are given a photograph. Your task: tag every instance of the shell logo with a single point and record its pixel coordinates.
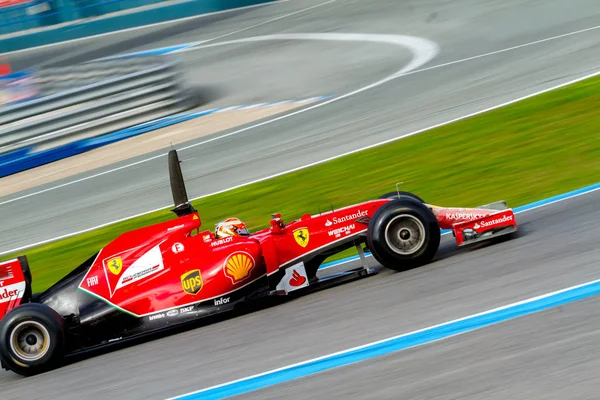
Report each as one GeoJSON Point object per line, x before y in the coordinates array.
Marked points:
{"type": "Point", "coordinates": [238, 266]}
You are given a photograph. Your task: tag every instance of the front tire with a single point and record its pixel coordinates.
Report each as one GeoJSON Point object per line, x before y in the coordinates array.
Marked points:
{"type": "Point", "coordinates": [31, 339]}
{"type": "Point", "coordinates": [400, 194]}
{"type": "Point", "coordinates": [403, 234]}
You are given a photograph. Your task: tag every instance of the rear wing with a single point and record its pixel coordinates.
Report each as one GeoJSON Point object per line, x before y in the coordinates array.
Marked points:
{"type": "Point", "coordinates": [15, 284]}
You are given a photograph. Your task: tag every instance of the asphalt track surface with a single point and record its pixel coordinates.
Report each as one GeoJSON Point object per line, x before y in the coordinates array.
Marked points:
{"type": "Point", "coordinates": [556, 248]}
{"type": "Point", "coordinates": [544, 356]}
{"type": "Point", "coordinates": [300, 69]}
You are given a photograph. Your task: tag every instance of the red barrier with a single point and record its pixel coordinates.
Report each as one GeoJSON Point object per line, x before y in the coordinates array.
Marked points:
{"type": "Point", "coordinates": [5, 68]}
{"type": "Point", "coordinates": [10, 3]}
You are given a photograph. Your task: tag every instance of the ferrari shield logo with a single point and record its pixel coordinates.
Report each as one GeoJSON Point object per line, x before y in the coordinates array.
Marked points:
{"type": "Point", "coordinates": [191, 282]}
{"type": "Point", "coordinates": [115, 265]}
{"type": "Point", "coordinates": [301, 235]}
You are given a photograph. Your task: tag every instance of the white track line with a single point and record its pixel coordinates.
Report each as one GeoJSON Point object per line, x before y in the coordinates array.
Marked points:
{"type": "Point", "coordinates": [423, 51]}
{"type": "Point", "coordinates": [201, 42]}
{"type": "Point", "coordinates": [312, 164]}
{"type": "Point", "coordinates": [505, 50]}
{"type": "Point", "coordinates": [321, 104]}
{"type": "Point", "coordinates": [365, 347]}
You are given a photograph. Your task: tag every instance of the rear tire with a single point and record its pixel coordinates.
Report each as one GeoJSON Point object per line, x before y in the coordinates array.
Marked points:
{"type": "Point", "coordinates": [31, 339]}
{"type": "Point", "coordinates": [403, 234]}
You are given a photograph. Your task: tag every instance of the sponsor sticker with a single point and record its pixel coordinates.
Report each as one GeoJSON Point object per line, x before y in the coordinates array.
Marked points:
{"type": "Point", "coordinates": [6, 294]}
{"type": "Point", "coordinates": [6, 271]}
{"type": "Point", "coordinates": [222, 300]}
{"type": "Point", "coordinates": [191, 282]}
{"type": "Point", "coordinates": [148, 264]}
{"type": "Point", "coordinates": [12, 292]}
{"type": "Point", "coordinates": [238, 266]}
{"type": "Point", "coordinates": [174, 228]}
{"type": "Point", "coordinates": [157, 316]}
{"type": "Point", "coordinates": [295, 278]}
{"type": "Point", "coordinates": [134, 276]}
{"type": "Point", "coordinates": [484, 224]}
{"type": "Point", "coordinates": [345, 229]}
{"type": "Point", "coordinates": [92, 281]}
{"type": "Point", "coordinates": [347, 218]}
{"type": "Point", "coordinates": [220, 242]}
{"type": "Point", "coordinates": [363, 220]}
{"type": "Point", "coordinates": [172, 313]}
{"type": "Point", "coordinates": [177, 248]}
{"type": "Point", "coordinates": [302, 236]}
{"type": "Point", "coordinates": [115, 265]}
{"type": "Point", "coordinates": [467, 216]}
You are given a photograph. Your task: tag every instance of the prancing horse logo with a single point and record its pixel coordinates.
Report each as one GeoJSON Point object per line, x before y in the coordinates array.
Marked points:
{"type": "Point", "coordinates": [115, 265]}
{"type": "Point", "coordinates": [301, 235]}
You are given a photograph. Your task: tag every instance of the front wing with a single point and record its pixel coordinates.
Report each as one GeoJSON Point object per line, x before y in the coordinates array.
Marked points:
{"type": "Point", "coordinates": [491, 226]}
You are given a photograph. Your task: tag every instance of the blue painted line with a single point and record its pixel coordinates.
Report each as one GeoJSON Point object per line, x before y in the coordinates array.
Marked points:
{"type": "Point", "coordinates": [152, 52]}
{"type": "Point", "coordinates": [342, 261]}
{"type": "Point", "coordinates": [517, 210]}
{"type": "Point", "coordinates": [398, 343]}
{"type": "Point", "coordinates": [14, 155]}
{"type": "Point", "coordinates": [559, 197]}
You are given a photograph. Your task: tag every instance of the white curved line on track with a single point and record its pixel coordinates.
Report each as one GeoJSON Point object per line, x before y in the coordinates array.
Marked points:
{"type": "Point", "coordinates": [423, 51]}
{"type": "Point", "coordinates": [568, 34]}
{"type": "Point", "coordinates": [322, 161]}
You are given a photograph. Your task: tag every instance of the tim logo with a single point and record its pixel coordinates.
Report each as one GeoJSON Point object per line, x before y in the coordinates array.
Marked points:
{"type": "Point", "coordinates": [191, 282]}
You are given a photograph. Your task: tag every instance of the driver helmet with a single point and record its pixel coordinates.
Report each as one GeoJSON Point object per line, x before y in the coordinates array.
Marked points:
{"type": "Point", "coordinates": [231, 227]}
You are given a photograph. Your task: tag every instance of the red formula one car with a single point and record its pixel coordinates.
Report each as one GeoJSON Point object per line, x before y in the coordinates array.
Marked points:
{"type": "Point", "coordinates": [171, 273]}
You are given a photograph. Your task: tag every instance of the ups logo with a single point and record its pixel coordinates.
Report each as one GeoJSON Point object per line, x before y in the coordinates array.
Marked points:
{"type": "Point", "coordinates": [191, 282]}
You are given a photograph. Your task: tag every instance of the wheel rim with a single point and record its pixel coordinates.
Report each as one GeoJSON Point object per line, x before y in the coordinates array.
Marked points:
{"type": "Point", "coordinates": [405, 234]}
{"type": "Point", "coordinates": [29, 341]}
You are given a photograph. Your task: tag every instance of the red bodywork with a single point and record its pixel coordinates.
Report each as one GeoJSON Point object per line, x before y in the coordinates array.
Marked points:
{"type": "Point", "coordinates": [171, 273]}
{"type": "Point", "coordinates": [174, 264]}
{"type": "Point", "coordinates": [12, 285]}
{"type": "Point", "coordinates": [480, 220]}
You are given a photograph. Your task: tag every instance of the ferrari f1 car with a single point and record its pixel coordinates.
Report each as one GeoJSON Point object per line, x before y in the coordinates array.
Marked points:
{"type": "Point", "coordinates": [170, 273]}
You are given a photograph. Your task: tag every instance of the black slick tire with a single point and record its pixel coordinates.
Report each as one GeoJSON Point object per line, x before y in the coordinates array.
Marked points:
{"type": "Point", "coordinates": [403, 234]}
{"type": "Point", "coordinates": [41, 330]}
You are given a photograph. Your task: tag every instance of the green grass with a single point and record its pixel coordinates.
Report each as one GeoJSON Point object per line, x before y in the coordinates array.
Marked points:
{"type": "Point", "coordinates": [530, 150]}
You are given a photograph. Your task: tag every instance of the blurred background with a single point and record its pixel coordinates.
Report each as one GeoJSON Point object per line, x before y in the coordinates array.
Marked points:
{"type": "Point", "coordinates": [24, 15]}
{"type": "Point", "coordinates": [298, 106]}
